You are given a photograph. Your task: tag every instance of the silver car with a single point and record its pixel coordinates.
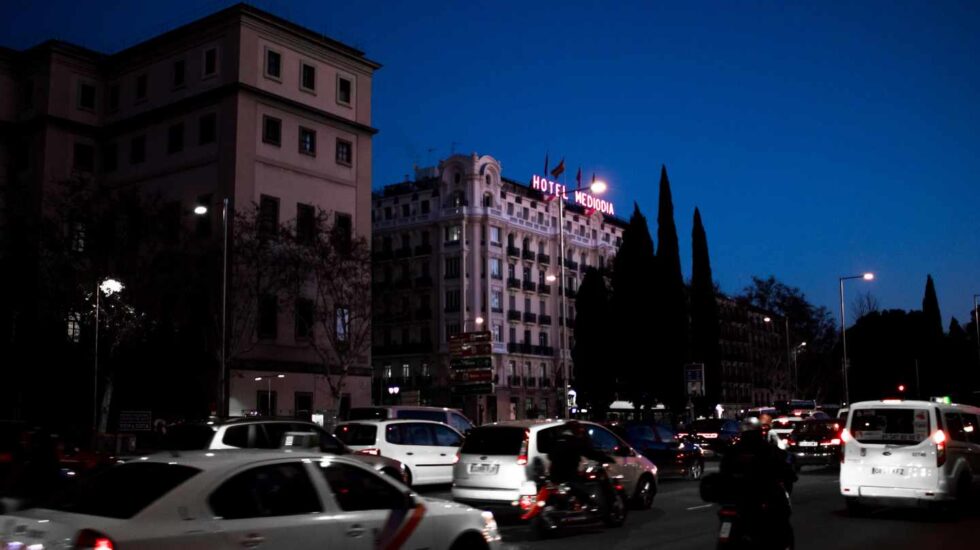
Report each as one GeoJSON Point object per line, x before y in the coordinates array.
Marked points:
{"type": "Point", "coordinates": [494, 465]}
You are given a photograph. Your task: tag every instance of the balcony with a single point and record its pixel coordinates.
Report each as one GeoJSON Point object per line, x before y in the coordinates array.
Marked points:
{"type": "Point", "coordinates": [404, 252]}
{"type": "Point", "coordinates": [513, 315]}
{"type": "Point", "coordinates": [423, 250]}
{"type": "Point", "coordinates": [567, 291]}
{"type": "Point", "coordinates": [544, 258]}
{"type": "Point", "coordinates": [530, 382]}
{"type": "Point", "coordinates": [528, 254]}
{"type": "Point", "coordinates": [544, 319]}
{"type": "Point", "coordinates": [544, 288]}
{"type": "Point", "coordinates": [513, 283]}
{"type": "Point", "coordinates": [514, 347]}
{"type": "Point", "coordinates": [423, 314]}
{"type": "Point", "coordinates": [571, 264]}
{"type": "Point", "coordinates": [545, 382]}
{"type": "Point", "coordinates": [529, 285]}
{"type": "Point", "coordinates": [513, 251]}
{"type": "Point", "coordinates": [570, 324]}
{"type": "Point", "coordinates": [530, 317]}
{"type": "Point", "coordinates": [544, 350]}
{"type": "Point", "coordinates": [423, 281]}
{"type": "Point", "coordinates": [514, 381]}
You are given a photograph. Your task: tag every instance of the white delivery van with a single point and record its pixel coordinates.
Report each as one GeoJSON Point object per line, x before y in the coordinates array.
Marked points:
{"type": "Point", "coordinates": [899, 452]}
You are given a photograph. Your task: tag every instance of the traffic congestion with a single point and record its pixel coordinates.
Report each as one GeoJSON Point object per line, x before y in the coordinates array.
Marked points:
{"type": "Point", "coordinates": [426, 477]}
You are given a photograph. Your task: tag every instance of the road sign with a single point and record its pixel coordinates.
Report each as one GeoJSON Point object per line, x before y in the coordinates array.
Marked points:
{"type": "Point", "coordinates": [135, 421]}
{"type": "Point", "coordinates": [470, 350]}
{"type": "Point", "coordinates": [471, 363]}
{"type": "Point", "coordinates": [470, 337]}
{"type": "Point", "coordinates": [471, 376]}
{"type": "Point", "coordinates": [474, 389]}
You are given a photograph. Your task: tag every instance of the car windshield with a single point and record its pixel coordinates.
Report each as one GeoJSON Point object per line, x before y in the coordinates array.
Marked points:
{"type": "Point", "coordinates": [494, 440]}
{"type": "Point", "coordinates": [892, 426]}
{"type": "Point", "coordinates": [367, 413]}
{"type": "Point", "coordinates": [357, 434]}
{"type": "Point", "coordinates": [188, 437]}
{"type": "Point", "coordinates": [122, 491]}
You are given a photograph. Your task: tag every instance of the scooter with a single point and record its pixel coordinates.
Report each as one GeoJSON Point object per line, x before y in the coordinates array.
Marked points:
{"type": "Point", "coordinates": [557, 506]}
{"type": "Point", "coordinates": [761, 525]}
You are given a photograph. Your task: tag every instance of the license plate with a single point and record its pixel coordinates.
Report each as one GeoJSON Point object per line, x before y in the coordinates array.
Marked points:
{"type": "Point", "coordinates": [484, 468]}
{"type": "Point", "coordinates": [726, 531]}
{"type": "Point", "coordinates": [893, 471]}
{"type": "Point", "coordinates": [808, 443]}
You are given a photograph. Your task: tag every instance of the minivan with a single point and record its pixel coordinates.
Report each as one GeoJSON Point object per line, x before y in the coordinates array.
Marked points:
{"type": "Point", "coordinates": [909, 453]}
{"type": "Point", "coordinates": [452, 417]}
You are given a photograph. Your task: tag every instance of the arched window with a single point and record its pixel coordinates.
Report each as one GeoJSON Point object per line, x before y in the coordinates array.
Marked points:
{"type": "Point", "coordinates": [487, 199]}
{"type": "Point", "coordinates": [458, 199]}
{"type": "Point", "coordinates": [457, 177]}
{"type": "Point", "coordinates": [526, 243]}
{"type": "Point", "coordinates": [489, 179]}
{"type": "Point", "coordinates": [510, 240]}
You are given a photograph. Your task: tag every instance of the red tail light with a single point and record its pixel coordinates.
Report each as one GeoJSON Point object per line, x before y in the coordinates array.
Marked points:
{"type": "Point", "coordinates": [790, 440]}
{"type": "Point", "coordinates": [456, 459]}
{"type": "Point", "coordinates": [727, 513]}
{"type": "Point", "coordinates": [845, 438]}
{"type": "Point", "coordinates": [372, 451]}
{"type": "Point", "coordinates": [939, 438]}
{"type": "Point", "coordinates": [93, 540]}
{"type": "Point", "coordinates": [522, 456]}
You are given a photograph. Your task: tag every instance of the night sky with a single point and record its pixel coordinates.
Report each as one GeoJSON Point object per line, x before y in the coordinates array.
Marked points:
{"type": "Point", "coordinates": [819, 139]}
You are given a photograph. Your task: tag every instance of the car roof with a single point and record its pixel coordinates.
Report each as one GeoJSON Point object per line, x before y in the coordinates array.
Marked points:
{"type": "Point", "coordinates": [530, 423]}
{"type": "Point", "coordinates": [408, 408]}
{"type": "Point", "coordinates": [207, 460]}
{"type": "Point", "coordinates": [905, 403]}
{"type": "Point", "coordinates": [393, 421]}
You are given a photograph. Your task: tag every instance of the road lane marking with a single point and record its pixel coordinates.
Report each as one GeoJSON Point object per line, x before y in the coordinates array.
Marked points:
{"type": "Point", "coordinates": [702, 507]}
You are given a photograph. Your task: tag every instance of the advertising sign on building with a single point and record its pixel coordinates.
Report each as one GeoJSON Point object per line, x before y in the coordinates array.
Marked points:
{"type": "Point", "coordinates": [581, 198]}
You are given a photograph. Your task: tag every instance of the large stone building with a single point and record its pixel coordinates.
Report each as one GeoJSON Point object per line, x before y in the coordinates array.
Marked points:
{"type": "Point", "coordinates": [756, 361]}
{"type": "Point", "coordinates": [240, 105]}
{"type": "Point", "coordinates": [462, 248]}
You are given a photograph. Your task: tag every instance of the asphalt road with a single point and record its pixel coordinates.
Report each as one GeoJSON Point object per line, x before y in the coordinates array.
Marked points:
{"type": "Point", "coordinates": [679, 520]}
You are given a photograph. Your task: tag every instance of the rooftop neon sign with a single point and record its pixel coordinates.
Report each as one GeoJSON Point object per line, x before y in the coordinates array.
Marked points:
{"type": "Point", "coordinates": [555, 189]}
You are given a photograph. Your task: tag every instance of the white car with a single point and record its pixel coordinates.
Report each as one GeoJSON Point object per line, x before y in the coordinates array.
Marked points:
{"type": "Point", "coordinates": [783, 426]}
{"type": "Point", "coordinates": [426, 449]}
{"type": "Point", "coordinates": [909, 452]}
{"type": "Point", "coordinates": [453, 417]}
{"type": "Point", "coordinates": [253, 499]}
{"type": "Point", "coordinates": [493, 467]}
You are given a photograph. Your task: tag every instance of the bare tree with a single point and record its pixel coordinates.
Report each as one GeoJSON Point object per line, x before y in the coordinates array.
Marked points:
{"type": "Point", "coordinates": [864, 304]}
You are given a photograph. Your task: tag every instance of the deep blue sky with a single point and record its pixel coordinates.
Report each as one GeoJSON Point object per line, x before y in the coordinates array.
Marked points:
{"type": "Point", "coordinates": [818, 138]}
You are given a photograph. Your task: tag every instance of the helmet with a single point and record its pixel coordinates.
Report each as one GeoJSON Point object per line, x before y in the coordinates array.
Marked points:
{"type": "Point", "coordinates": [749, 424]}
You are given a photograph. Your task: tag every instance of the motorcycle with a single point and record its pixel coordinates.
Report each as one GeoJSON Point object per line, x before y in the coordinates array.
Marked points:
{"type": "Point", "coordinates": [749, 523]}
{"type": "Point", "coordinates": [557, 506]}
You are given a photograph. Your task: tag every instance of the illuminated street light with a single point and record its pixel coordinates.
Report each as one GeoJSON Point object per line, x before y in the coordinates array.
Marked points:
{"type": "Point", "coordinates": [200, 210]}
{"type": "Point", "coordinates": [551, 278]}
{"type": "Point", "coordinates": [108, 287]}
{"type": "Point", "coordinates": [868, 276]}
{"type": "Point", "coordinates": [479, 321]}
{"type": "Point", "coordinates": [598, 187]}
{"type": "Point", "coordinates": [767, 319]}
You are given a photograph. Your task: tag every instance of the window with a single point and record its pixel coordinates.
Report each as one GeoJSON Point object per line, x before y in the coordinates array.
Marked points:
{"type": "Point", "coordinates": [304, 318]}
{"type": "Point", "coordinates": [452, 267]}
{"type": "Point", "coordinates": [344, 87]}
{"type": "Point", "coordinates": [342, 323]}
{"type": "Point", "coordinates": [955, 428]}
{"type": "Point", "coordinates": [425, 207]}
{"type": "Point", "coordinates": [83, 158]}
{"type": "Point", "coordinates": [268, 317]}
{"type": "Point", "coordinates": [495, 235]}
{"type": "Point", "coordinates": [113, 99]}
{"type": "Point", "coordinates": [175, 138]}
{"type": "Point", "coordinates": [454, 233]}
{"type": "Point", "coordinates": [137, 150]}
{"type": "Point", "coordinates": [141, 86]}
{"type": "Point", "coordinates": [496, 300]}
{"type": "Point", "coordinates": [236, 436]}
{"type": "Point", "coordinates": [452, 329]}
{"type": "Point", "coordinates": [266, 491]}
{"type": "Point", "coordinates": [207, 128]}
{"type": "Point", "coordinates": [543, 339]}
{"type": "Point", "coordinates": [74, 327]}
{"type": "Point", "coordinates": [273, 64]}
{"type": "Point", "coordinates": [604, 440]}
{"type": "Point", "coordinates": [357, 434]}
{"type": "Point", "coordinates": [86, 96]}
{"type": "Point", "coordinates": [498, 332]}
{"type": "Point", "coordinates": [345, 152]}
{"type": "Point", "coordinates": [268, 216]}
{"type": "Point", "coordinates": [343, 230]}
{"type": "Point", "coordinates": [271, 130]}
{"type": "Point", "coordinates": [405, 211]}
{"type": "Point", "coordinates": [179, 73]}
{"type": "Point", "coordinates": [307, 77]}
{"type": "Point", "coordinates": [510, 209]}
{"type": "Point", "coordinates": [76, 235]}
{"type": "Point", "coordinates": [110, 157]}
{"type": "Point", "coordinates": [496, 268]}
{"type": "Point", "coordinates": [446, 437]}
{"type": "Point", "coordinates": [355, 489]}
{"type": "Point", "coordinates": [305, 222]}
{"type": "Point", "coordinates": [409, 434]}
{"type": "Point", "coordinates": [210, 61]}
{"type": "Point", "coordinates": [452, 300]}
{"type": "Point", "coordinates": [307, 141]}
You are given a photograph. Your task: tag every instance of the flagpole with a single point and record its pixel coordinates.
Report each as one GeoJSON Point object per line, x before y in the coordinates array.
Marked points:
{"type": "Point", "coordinates": [564, 296]}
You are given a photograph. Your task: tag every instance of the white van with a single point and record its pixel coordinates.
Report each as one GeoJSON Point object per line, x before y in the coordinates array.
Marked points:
{"type": "Point", "coordinates": [909, 452]}
{"type": "Point", "coordinates": [452, 417]}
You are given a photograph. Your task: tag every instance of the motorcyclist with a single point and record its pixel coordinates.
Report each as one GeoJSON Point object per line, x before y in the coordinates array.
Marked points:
{"type": "Point", "coordinates": [571, 444]}
{"type": "Point", "coordinates": [759, 479]}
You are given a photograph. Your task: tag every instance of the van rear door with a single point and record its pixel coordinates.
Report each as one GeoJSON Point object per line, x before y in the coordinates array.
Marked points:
{"type": "Point", "coordinates": [892, 447]}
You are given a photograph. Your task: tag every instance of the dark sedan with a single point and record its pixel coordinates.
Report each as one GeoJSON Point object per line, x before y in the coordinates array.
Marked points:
{"type": "Point", "coordinates": [673, 457]}
{"type": "Point", "coordinates": [815, 443]}
{"type": "Point", "coordinates": [714, 435]}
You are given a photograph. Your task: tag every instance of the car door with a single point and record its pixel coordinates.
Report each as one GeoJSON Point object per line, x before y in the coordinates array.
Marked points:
{"type": "Point", "coordinates": [372, 513]}
{"type": "Point", "coordinates": [605, 441]}
{"type": "Point", "coordinates": [413, 444]}
{"type": "Point", "coordinates": [447, 442]}
{"type": "Point", "coordinates": [274, 505]}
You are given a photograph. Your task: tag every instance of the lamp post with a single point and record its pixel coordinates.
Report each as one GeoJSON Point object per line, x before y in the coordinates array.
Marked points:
{"type": "Point", "coordinates": [976, 321]}
{"type": "Point", "coordinates": [109, 287]}
{"type": "Point", "coordinates": [268, 390]}
{"type": "Point", "coordinates": [597, 187]}
{"type": "Point", "coordinates": [202, 210]}
{"type": "Point", "coordinates": [843, 330]}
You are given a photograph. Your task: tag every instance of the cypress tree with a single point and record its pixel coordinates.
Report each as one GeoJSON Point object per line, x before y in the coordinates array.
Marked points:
{"type": "Point", "coordinates": [930, 308]}
{"type": "Point", "coordinates": [931, 328]}
{"type": "Point", "coordinates": [594, 379]}
{"type": "Point", "coordinates": [705, 330]}
{"type": "Point", "coordinates": [672, 301]}
{"type": "Point", "coordinates": [633, 301]}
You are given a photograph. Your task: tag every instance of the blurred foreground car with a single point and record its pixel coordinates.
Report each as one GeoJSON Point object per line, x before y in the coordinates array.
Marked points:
{"type": "Point", "coordinates": [229, 500]}
{"type": "Point", "coordinates": [673, 456]}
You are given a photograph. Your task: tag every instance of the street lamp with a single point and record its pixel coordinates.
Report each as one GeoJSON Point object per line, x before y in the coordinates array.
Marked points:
{"type": "Point", "coordinates": [843, 329]}
{"type": "Point", "coordinates": [202, 210]}
{"type": "Point", "coordinates": [268, 390]}
{"type": "Point", "coordinates": [598, 187]}
{"type": "Point", "coordinates": [109, 286]}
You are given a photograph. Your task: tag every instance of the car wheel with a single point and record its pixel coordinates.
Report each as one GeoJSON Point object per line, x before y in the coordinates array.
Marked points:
{"type": "Point", "coordinates": [645, 491]}
{"type": "Point", "coordinates": [696, 471]}
{"type": "Point", "coordinates": [616, 515]}
{"type": "Point", "coordinates": [408, 477]}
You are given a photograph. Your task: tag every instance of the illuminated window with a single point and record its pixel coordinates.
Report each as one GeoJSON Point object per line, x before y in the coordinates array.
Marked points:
{"type": "Point", "coordinates": [74, 327]}
{"type": "Point", "coordinates": [307, 141]}
{"type": "Point", "coordinates": [342, 320]}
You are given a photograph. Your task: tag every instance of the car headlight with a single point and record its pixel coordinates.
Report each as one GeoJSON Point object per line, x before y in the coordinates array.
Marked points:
{"type": "Point", "coordinates": [490, 532]}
